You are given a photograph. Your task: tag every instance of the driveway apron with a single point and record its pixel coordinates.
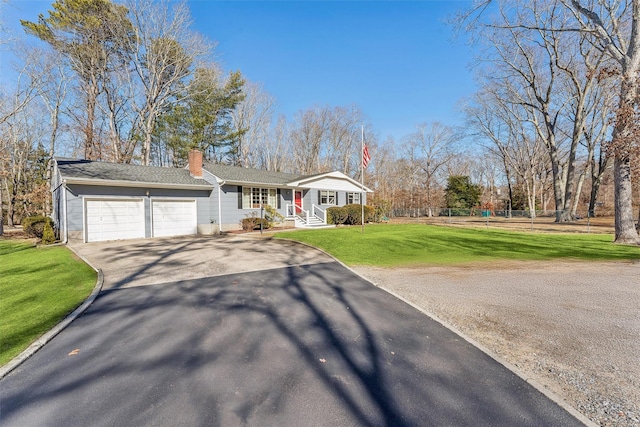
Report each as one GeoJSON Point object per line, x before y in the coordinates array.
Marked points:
{"type": "Point", "coordinates": [308, 344]}
{"type": "Point", "coordinates": [142, 262]}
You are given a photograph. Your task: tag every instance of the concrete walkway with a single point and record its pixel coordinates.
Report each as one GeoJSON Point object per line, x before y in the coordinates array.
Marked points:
{"type": "Point", "coordinates": [296, 345]}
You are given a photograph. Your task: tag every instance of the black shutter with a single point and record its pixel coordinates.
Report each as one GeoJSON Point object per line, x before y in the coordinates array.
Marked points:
{"type": "Point", "coordinates": [278, 195]}
{"type": "Point", "coordinates": [239, 196]}
{"type": "Point", "coordinates": [319, 198]}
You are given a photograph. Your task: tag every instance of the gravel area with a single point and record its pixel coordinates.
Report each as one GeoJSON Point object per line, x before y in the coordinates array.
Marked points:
{"type": "Point", "coordinates": [574, 327]}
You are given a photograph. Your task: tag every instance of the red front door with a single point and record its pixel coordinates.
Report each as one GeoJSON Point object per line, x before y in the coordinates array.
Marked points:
{"type": "Point", "coordinates": [298, 201]}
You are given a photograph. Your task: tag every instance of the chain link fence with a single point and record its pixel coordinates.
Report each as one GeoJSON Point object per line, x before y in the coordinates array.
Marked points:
{"type": "Point", "coordinates": [540, 220]}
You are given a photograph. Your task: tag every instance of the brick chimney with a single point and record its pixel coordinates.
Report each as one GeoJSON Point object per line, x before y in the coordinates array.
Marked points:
{"type": "Point", "coordinates": [195, 163]}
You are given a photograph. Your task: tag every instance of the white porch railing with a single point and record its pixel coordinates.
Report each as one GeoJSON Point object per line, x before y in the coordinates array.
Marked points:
{"type": "Point", "coordinates": [294, 210]}
{"type": "Point", "coordinates": [322, 213]}
{"type": "Point", "coordinates": [306, 216]}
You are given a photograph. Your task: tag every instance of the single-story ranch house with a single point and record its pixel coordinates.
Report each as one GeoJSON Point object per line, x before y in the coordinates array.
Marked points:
{"type": "Point", "coordinates": [96, 201]}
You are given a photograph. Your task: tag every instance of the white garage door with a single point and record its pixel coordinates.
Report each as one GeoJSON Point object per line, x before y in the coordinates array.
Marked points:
{"type": "Point", "coordinates": [174, 217]}
{"type": "Point", "coordinates": [114, 219]}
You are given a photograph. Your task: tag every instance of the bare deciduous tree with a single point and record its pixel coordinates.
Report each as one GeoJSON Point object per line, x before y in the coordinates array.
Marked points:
{"type": "Point", "coordinates": [166, 51]}
{"type": "Point", "coordinates": [12, 104]}
{"type": "Point", "coordinates": [616, 30]}
{"type": "Point", "coordinates": [307, 136]}
{"type": "Point", "coordinates": [428, 150]}
{"type": "Point", "coordinates": [255, 115]}
{"type": "Point", "coordinates": [612, 28]}
{"type": "Point", "coordinates": [274, 154]}
{"type": "Point", "coordinates": [325, 138]}
{"type": "Point", "coordinates": [344, 138]}
{"type": "Point", "coordinates": [494, 119]}
{"type": "Point", "coordinates": [20, 137]}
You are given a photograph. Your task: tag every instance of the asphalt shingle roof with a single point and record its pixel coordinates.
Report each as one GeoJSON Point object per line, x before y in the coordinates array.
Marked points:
{"type": "Point", "coordinates": [86, 169]}
{"type": "Point", "coordinates": [246, 175]}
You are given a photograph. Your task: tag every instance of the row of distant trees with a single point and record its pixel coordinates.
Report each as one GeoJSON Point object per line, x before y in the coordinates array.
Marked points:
{"type": "Point", "coordinates": [132, 82]}
{"type": "Point", "coordinates": [560, 77]}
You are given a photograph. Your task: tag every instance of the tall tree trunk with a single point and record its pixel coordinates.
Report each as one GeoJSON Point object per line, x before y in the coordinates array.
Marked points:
{"type": "Point", "coordinates": [596, 180]}
{"type": "Point", "coordinates": [52, 152]}
{"type": "Point", "coordinates": [571, 189]}
{"type": "Point", "coordinates": [623, 139]}
{"type": "Point", "coordinates": [10, 203]}
{"type": "Point", "coordinates": [558, 187]}
{"type": "Point", "coordinates": [146, 146]}
{"type": "Point", "coordinates": [624, 221]}
{"type": "Point", "coordinates": [625, 135]}
{"type": "Point", "coordinates": [576, 199]}
{"type": "Point", "coordinates": [429, 210]}
{"type": "Point", "coordinates": [531, 197]}
{"type": "Point", "coordinates": [90, 149]}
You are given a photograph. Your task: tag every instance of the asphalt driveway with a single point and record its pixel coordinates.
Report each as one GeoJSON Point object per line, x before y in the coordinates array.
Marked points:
{"type": "Point", "coordinates": [306, 344]}
{"type": "Point", "coordinates": [142, 262]}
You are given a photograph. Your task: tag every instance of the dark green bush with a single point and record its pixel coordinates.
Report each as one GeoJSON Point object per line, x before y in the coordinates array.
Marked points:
{"type": "Point", "coordinates": [34, 226]}
{"type": "Point", "coordinates": [354, 214]}
{"type": "Point", "coordinates": [337, 215]}
{"type": "Point", "coordinates": [48, 236]}
{"type": "Point", "coordinates": [382, 208]}
{"type": "Point", "coordinates": [350, 214]}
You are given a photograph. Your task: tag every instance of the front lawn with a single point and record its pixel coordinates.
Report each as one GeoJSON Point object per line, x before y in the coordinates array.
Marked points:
{"type": "Point", "coordinates": [413, 244]}
{"type": "Point", "coordinates": [38, 288]}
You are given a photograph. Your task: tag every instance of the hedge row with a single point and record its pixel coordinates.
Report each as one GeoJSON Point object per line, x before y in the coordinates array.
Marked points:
{"type": "Point", "coordinates": [349, 214]}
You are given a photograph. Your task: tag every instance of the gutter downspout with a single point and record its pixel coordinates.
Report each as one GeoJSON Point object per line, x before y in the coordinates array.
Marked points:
{"type": "Point", "coordinates": [220, 184]}
{"type": "Point", "coordinates": [64, 210]}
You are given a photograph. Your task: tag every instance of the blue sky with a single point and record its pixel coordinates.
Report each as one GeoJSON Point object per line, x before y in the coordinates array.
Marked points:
{"type": "Point", "coordinates": [397, 60]}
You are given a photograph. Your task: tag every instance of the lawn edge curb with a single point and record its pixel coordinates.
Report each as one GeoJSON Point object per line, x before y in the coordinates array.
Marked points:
{"type": "Point", "coordinates": [518, 372]}
{"type": "Point", "coordinates": [48, 336]}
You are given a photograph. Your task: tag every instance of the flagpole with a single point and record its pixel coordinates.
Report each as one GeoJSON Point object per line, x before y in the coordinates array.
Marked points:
{"type": "Point", "coordinates": [362, 176]}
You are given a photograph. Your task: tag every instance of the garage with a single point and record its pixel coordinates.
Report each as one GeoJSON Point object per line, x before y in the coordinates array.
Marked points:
{"type": "Point", "coordinates": [174, 217]}
{"type": "Point", "coordinates": [114, 219]}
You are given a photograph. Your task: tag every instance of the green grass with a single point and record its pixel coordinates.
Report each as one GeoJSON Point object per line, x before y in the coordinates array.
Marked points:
{"type": "Point", "coordinates": [401, 245]}
{"type": "Point", "coordinates": [38, 288]}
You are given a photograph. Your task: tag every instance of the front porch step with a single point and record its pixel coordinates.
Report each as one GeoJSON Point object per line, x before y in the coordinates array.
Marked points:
{"type": "Point", "coordinates": [313, 223]}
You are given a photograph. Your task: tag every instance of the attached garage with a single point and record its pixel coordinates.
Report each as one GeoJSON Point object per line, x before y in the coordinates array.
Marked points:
{"type": "Point", "coordinates": [174, 217]}
{"type": "Point", "coordinates": [114, 219]}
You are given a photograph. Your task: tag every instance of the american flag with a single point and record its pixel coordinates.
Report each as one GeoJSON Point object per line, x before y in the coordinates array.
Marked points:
{"type": "Point", "coordinates": [365, 156]}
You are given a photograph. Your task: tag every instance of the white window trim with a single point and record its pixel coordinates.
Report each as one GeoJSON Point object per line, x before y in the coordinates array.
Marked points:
{"type": "Point", "coordinates": [247, 197]}
{"type": "Point", "coordinates": [326, 194]}
{"type": "Point", "coordinates": [352, 195]}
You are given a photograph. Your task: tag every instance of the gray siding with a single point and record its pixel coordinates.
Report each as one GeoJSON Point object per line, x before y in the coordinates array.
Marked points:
{"type": "Point", "coordinates": [219, 206]}
{"type": "Point", "coordinates": [76, 194]}
{"type": "Point", "coordinates": [232, 214]}
{"type": "Point", "coordinates": [312, 197]}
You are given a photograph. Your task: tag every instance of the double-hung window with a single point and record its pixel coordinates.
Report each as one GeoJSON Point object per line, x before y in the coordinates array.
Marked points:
{"type": "Point", "coordinates": [353, 198]}
{"type": "Point", "coordinates": [254, 198]}
{"type": "Point", "coordinates": [328, 197]}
